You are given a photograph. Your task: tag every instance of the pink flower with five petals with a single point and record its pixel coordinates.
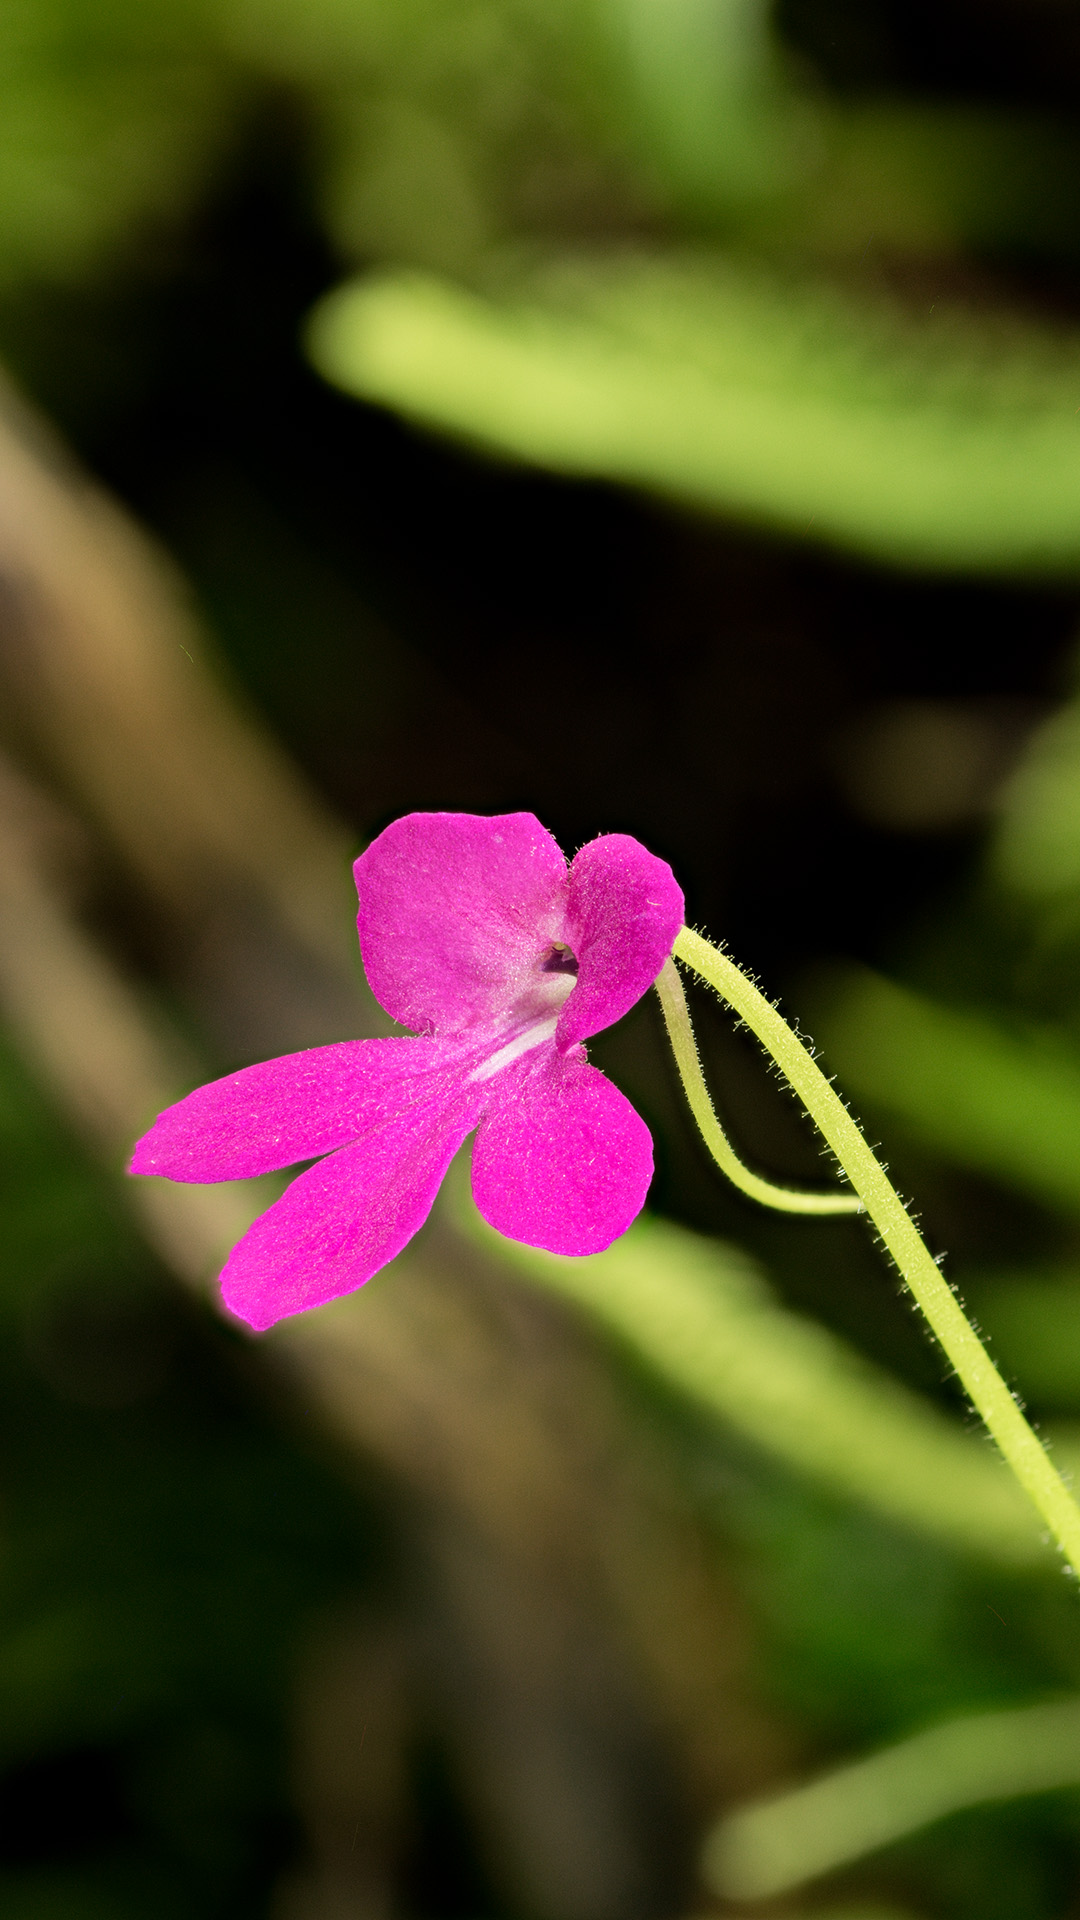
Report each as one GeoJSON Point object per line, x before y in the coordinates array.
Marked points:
{"type": "Point", "coordinates": [503, 960]}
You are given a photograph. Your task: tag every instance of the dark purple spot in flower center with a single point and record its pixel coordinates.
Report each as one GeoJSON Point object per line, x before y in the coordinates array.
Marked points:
{"type": "Point", "coordinates": [559, 960]}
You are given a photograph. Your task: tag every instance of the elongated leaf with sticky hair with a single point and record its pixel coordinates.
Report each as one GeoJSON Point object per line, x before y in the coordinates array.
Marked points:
{"type": "Point", "coordinates": [701, 1317]}
{"type": "Point", "coordinates": [949, 444]}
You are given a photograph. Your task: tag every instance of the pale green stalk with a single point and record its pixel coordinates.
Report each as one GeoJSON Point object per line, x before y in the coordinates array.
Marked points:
{"type": "Point", "coordinates": [684, 1046]}
{"type": "Point", "coordinates": [974, 1368]}
{"type": "Point", "coordinates": [770, 1847]}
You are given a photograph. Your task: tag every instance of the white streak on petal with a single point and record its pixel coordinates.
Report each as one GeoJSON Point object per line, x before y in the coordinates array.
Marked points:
{"type": "Point", "coordinates": [533, 1036]}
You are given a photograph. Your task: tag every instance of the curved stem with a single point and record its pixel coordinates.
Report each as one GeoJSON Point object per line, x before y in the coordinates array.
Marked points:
{"type": "Point", "coordinates": [681, 1034]}
{"type": "Point", "coordinates": [974, 1368]}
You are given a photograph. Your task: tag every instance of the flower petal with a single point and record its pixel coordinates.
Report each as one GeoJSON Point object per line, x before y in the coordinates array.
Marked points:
{"type": "Point", "coordinates": [625, 908]}
{"type": "Point", "coordinates": [457, 912]}
{"type": "Point", "coordinates": [561, 1159]}
{"type": "Point", "coordinates": [343, 1219]}
{"type": "Point", "coordinates": [291, 1109]}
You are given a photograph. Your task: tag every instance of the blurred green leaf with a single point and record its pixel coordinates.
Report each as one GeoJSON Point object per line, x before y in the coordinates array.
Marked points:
{"type": "Point", "coordinates": [558, 117]}
{"type": "Point", "coordinates": [110, 118]}
{"type": "Point", "coordinates": [1006, 1103]}
{"type": "Point", "coordinates": [704, 102]}
{"type": "Point", "coordinates": [952, 444]}
{"type": "Point", "coordinates": [766, 1849]}
{"type": "Point", "coordinates": [444, 128]}
{"type": "Point", "coordinates": [701, 1317]}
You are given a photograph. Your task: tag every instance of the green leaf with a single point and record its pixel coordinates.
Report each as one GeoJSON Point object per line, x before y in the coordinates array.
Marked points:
{"type": "Point", "coordinates": [702, 1319]}
{"type": "Point", "coordinates": [954, 443]}
{"type": "Point", "coordinates": [774, 1845]}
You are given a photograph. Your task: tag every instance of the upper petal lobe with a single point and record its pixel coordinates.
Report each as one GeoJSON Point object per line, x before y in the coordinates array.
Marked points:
{"type": "Point", "coordinates": [624, 909]}
{"type": "Point", "coordinates": [281, 1111]}
{"type": "Point", "coordinates": [561, 1159]}
{"type": "Point", "coordinates": [343, 1219]}
{"type": "Point", "coordinates": [457, 913]}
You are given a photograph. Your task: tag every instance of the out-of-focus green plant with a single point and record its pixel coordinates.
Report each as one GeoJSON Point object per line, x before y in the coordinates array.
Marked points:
{"type": "Point", "coordinates": [449, 132]}
{"type": "Point", "coordinates": [765, 397]}
{"type": "Point", "coordinates": [993, 1085]}
{"type": "Point", "coordinates": [111, 117]}
{"type": "Point", "coordinates": [459, 135]}
{"type": "Point", "coordinates": [945, 441]}
{"type": "Point", "coordinates": [978, 1088]}
{"type": "Point", "coordinates": [701, 1315]}
{"type": "Point", "coordinates": [527, 120]}
{"type": "Point", "coordinates": [767, 1849]}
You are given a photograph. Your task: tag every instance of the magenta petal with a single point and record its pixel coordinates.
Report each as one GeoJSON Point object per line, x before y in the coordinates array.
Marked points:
{"type": "Point", "coordinates": [457, 912]}
{"type": "Point", "coordinates": [345, 1218]}
{"type": "Point", "coordinates": [290, 1109]}
{"type": "Point", "coordinates": [561, 1160]}
{"type": "Point", "coordinates": [624, 910]}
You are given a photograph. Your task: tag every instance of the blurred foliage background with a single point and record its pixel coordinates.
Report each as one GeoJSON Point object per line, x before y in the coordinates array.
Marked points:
{"type": "Point", "coordinates": [662, 415]}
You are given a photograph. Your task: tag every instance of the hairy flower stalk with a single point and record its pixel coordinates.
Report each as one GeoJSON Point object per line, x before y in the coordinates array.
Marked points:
{"type": "Point", "coordinates": [684, 1046]}
{"type": "Point", "coordinates": [877, 1196]}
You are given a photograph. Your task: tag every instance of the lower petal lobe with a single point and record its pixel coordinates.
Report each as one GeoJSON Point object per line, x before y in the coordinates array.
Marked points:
{"type": "Point", "coordinates": [345, 1218]}
{"type": "Point", "coordinates": [294, 1108]}
{"type": "Point", "coordinates": [561, 1159]}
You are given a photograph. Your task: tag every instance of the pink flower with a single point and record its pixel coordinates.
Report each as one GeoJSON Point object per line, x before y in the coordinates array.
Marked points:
{"type": "Point", "coordinates": [476, 934]}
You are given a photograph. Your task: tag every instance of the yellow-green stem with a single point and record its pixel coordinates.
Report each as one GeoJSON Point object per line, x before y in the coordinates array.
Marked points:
{"type": "Point", "coordinates": [976, 1371]}
{"type": "Point", "coordinates": [684, 1046]}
